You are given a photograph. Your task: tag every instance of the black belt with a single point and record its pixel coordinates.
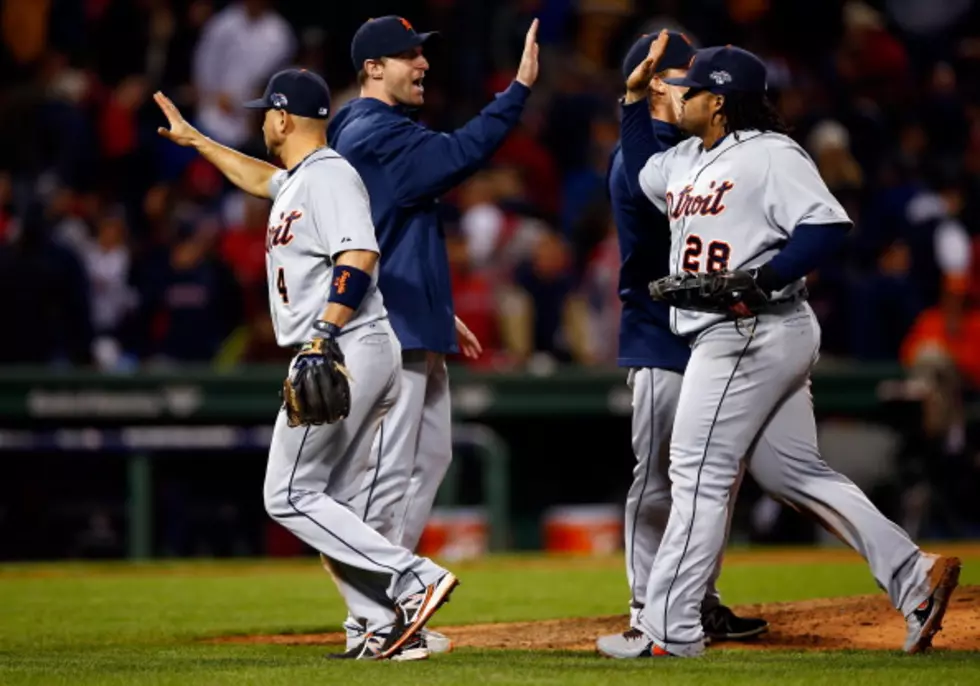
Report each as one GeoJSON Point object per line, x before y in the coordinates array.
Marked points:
{"type": "Point", "coordinates": [798, 296]}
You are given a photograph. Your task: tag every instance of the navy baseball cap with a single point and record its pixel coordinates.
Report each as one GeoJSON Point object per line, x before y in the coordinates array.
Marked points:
{"type": "Point", "coordinates": [677, 55]}
{"type": "Point", "coordinates": [383, 37]}
{"type": "Point", "coordinates": [724, 70]}
{"type": "Point", "coordinates": [296, 91]}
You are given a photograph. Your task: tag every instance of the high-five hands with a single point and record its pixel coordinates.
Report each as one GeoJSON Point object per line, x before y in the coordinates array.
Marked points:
{"type": "Point", "coordinates": [638, 83]}
{"type": "Point", "coordinates": [527, 71]}
{"type": "Point", "coordinates": [180, 132]}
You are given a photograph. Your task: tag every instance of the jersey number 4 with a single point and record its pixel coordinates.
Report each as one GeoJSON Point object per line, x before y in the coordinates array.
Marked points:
{"type": "Point", "coordinates": [716, 258]}
{"type": "Point", "coordinates": [281, 285]}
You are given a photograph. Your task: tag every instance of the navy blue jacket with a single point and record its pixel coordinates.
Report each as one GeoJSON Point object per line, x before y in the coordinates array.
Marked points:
{"type": "Point", "coordinates": [645, 338]}
{"type": "Point", "coordinates": [406, 167]}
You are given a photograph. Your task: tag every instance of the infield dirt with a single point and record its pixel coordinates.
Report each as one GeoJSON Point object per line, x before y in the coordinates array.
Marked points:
{"type": "Point", "coordinates": [854, 623]}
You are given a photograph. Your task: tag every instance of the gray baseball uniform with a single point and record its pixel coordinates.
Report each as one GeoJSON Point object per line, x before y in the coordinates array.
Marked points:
{"type": "Point", "coordinates": [321, 210]}
{"type": "Point", "coordinates": [413, 449]}
{"type": "Point", "coordinates": [655, 396]}
{"type": "Point", "coordinates": [747, 383]}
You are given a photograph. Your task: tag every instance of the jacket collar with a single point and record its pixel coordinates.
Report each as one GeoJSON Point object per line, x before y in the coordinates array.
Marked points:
{"type": "Point", "coordinates": [375, 105]}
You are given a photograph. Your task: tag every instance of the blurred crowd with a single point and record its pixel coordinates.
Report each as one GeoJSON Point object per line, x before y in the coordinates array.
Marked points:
{"type": "Point", "coordinates": [118, 249]}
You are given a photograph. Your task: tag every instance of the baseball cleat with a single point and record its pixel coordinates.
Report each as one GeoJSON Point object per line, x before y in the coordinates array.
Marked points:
{"type": "Point", "coordinates": [416, 609]}
{"type": "Point", "coordinates": [374, 646]}
{"type": "Point", "coordinates": [721, 624]}
{"type": "Point", "coordinates": [436, 643]}
{"type": "Point", "coordinates": [927, 619]}
{"type": "Point", "coordinates": [632, 643]}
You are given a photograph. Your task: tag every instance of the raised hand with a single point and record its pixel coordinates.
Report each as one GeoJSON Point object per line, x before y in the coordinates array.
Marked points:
{"type": "Point", "coordinates": [638, 83]}
{"type": "Point", "coordinates": [527, 71]}
{"type": "Point", "coordinates": [180, 131]}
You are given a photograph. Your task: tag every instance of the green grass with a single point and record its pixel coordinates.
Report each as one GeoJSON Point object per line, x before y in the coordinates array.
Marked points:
{"type": "Point", "coordinates": [140, 624]}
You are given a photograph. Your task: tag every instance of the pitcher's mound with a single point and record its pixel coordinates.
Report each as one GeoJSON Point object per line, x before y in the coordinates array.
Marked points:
{"type": "Point", "coordinates": [856, 623]}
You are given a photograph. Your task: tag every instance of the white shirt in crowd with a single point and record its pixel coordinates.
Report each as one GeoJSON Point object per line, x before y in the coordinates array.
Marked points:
{"type": "Point", "coordinates": [236, 55]}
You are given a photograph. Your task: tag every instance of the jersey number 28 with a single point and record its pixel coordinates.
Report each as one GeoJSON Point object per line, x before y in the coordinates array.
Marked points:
{"type": "Point", "coordinates": [715, 259]}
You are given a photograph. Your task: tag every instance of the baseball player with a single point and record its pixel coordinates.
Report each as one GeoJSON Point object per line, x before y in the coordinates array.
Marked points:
{"type": "Point", "coordinates": [750, 217]}
{"type": "Point", "coordinates": [321, 259]}
{"type": "Point", "coordinates": [655, 357]}
{"type": "Point", "coordinates": [406, 168]}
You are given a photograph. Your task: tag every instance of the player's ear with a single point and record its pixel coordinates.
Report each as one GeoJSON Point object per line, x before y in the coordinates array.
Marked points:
{"type": "Point", "coordinates": [283, 122]}
{"type": "Point", "coordinates": [374, 69]}
{"type": "Point", "coordinates": [718, 106]}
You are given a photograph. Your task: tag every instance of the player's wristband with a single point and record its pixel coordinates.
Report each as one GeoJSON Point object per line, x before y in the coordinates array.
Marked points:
{"type": "Point", "coordinates": [349, 286]}
{"type": "Point", "coordinates": [329, 329]}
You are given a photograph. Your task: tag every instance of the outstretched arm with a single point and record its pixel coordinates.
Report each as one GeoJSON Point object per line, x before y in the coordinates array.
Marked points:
{"type": "Point", "coordinates": [641, 139]}
{"type": "Point", "coordinates": [428, 164]}
{"type": "Point", "coordinates": [248, 173]}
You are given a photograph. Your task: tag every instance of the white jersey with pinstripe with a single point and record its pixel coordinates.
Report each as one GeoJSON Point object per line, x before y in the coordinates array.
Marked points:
{"type": "Point", "coordinates": [735, 205]}
{"type": "Point", "coordinates": [746, 388]}
{"type": "Point", "coordinates": [320, 209]}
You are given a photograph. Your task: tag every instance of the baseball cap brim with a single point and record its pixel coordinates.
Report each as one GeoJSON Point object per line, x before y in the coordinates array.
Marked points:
{"type": "Point", "coordinates": [413, 42]}
{"type": "Point", "coordinates": [684, 81]}
{"type": "Point", "coordinates": [259, 104]}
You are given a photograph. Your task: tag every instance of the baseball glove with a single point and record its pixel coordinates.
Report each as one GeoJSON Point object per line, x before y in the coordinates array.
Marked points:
{"type": "Point", "coordinates": [732, 293]}
{"type": "Point", "coordinates": [317, 390]}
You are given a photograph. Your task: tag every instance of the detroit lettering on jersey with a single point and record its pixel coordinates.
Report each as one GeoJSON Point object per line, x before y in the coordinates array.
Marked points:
{"type": "Point", "coordinates": [278, 234]}
{"type": "Point", "coordinates": [319, 211]}
{"type": "Point", "coordinates": [734, 206]}
{"type": "Point", "coordinates": [688, 203]}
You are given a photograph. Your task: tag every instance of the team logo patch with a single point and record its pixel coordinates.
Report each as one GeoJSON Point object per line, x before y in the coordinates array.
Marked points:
{"type": "Point", "coordinates": [278, 100]}
{"type": "Point", "coordinates": [720, 77]}
{"type": "Point", "coordinates": [322, 111]}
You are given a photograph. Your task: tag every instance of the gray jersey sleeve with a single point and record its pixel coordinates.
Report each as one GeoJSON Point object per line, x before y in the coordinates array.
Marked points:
{"type": "Point", "coordinates": [653, 178]}
{"type": "Point", "coordinates": [341, 209]}
{"type": "Point", "coordinates": [794, 191]}
{"type": "Point", "coordinates": [276, 182]}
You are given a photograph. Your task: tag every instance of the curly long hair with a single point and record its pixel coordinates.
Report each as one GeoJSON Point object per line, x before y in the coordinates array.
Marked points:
{"type": "Point", "coordinates": [751, 111]}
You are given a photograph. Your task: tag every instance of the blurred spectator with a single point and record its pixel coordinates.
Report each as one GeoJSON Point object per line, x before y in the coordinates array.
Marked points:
{"type": "Point", "coordinates": [134, 39]}
{"type": "Point", "coordinates": [829, 143]}
{"type": "Point", "coordinates": [586, 185]}
{"type": "Point", "coordinates": [883, 95]}
{"type": "Point", "coordinates": [600, 294]}
{"type": "Point", "coordinates": [474, 298]}
{"type": "Point", "coordinates": [243, 248]}
{"type": "Point", "coordinates": [948, 329]}
{"type": "Point", "coordinates": [189, 300]}
{"type": "Point", "coordinates": [24, 25]}
{"type": "Point", "coordinates": [884, 305]}
{"type": "Point", "coordinates": [553, 322]}
{"type": "Point", "coordinates": [599, 21]}
{"type": "Point", "coordinates": [539, 175]}
{"type": "Point", "coordinates": [107, 261]}
{"type": "Point", "coordinates": [240, 47]}
{"type": "Point", "coordinates": [51, 307]}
